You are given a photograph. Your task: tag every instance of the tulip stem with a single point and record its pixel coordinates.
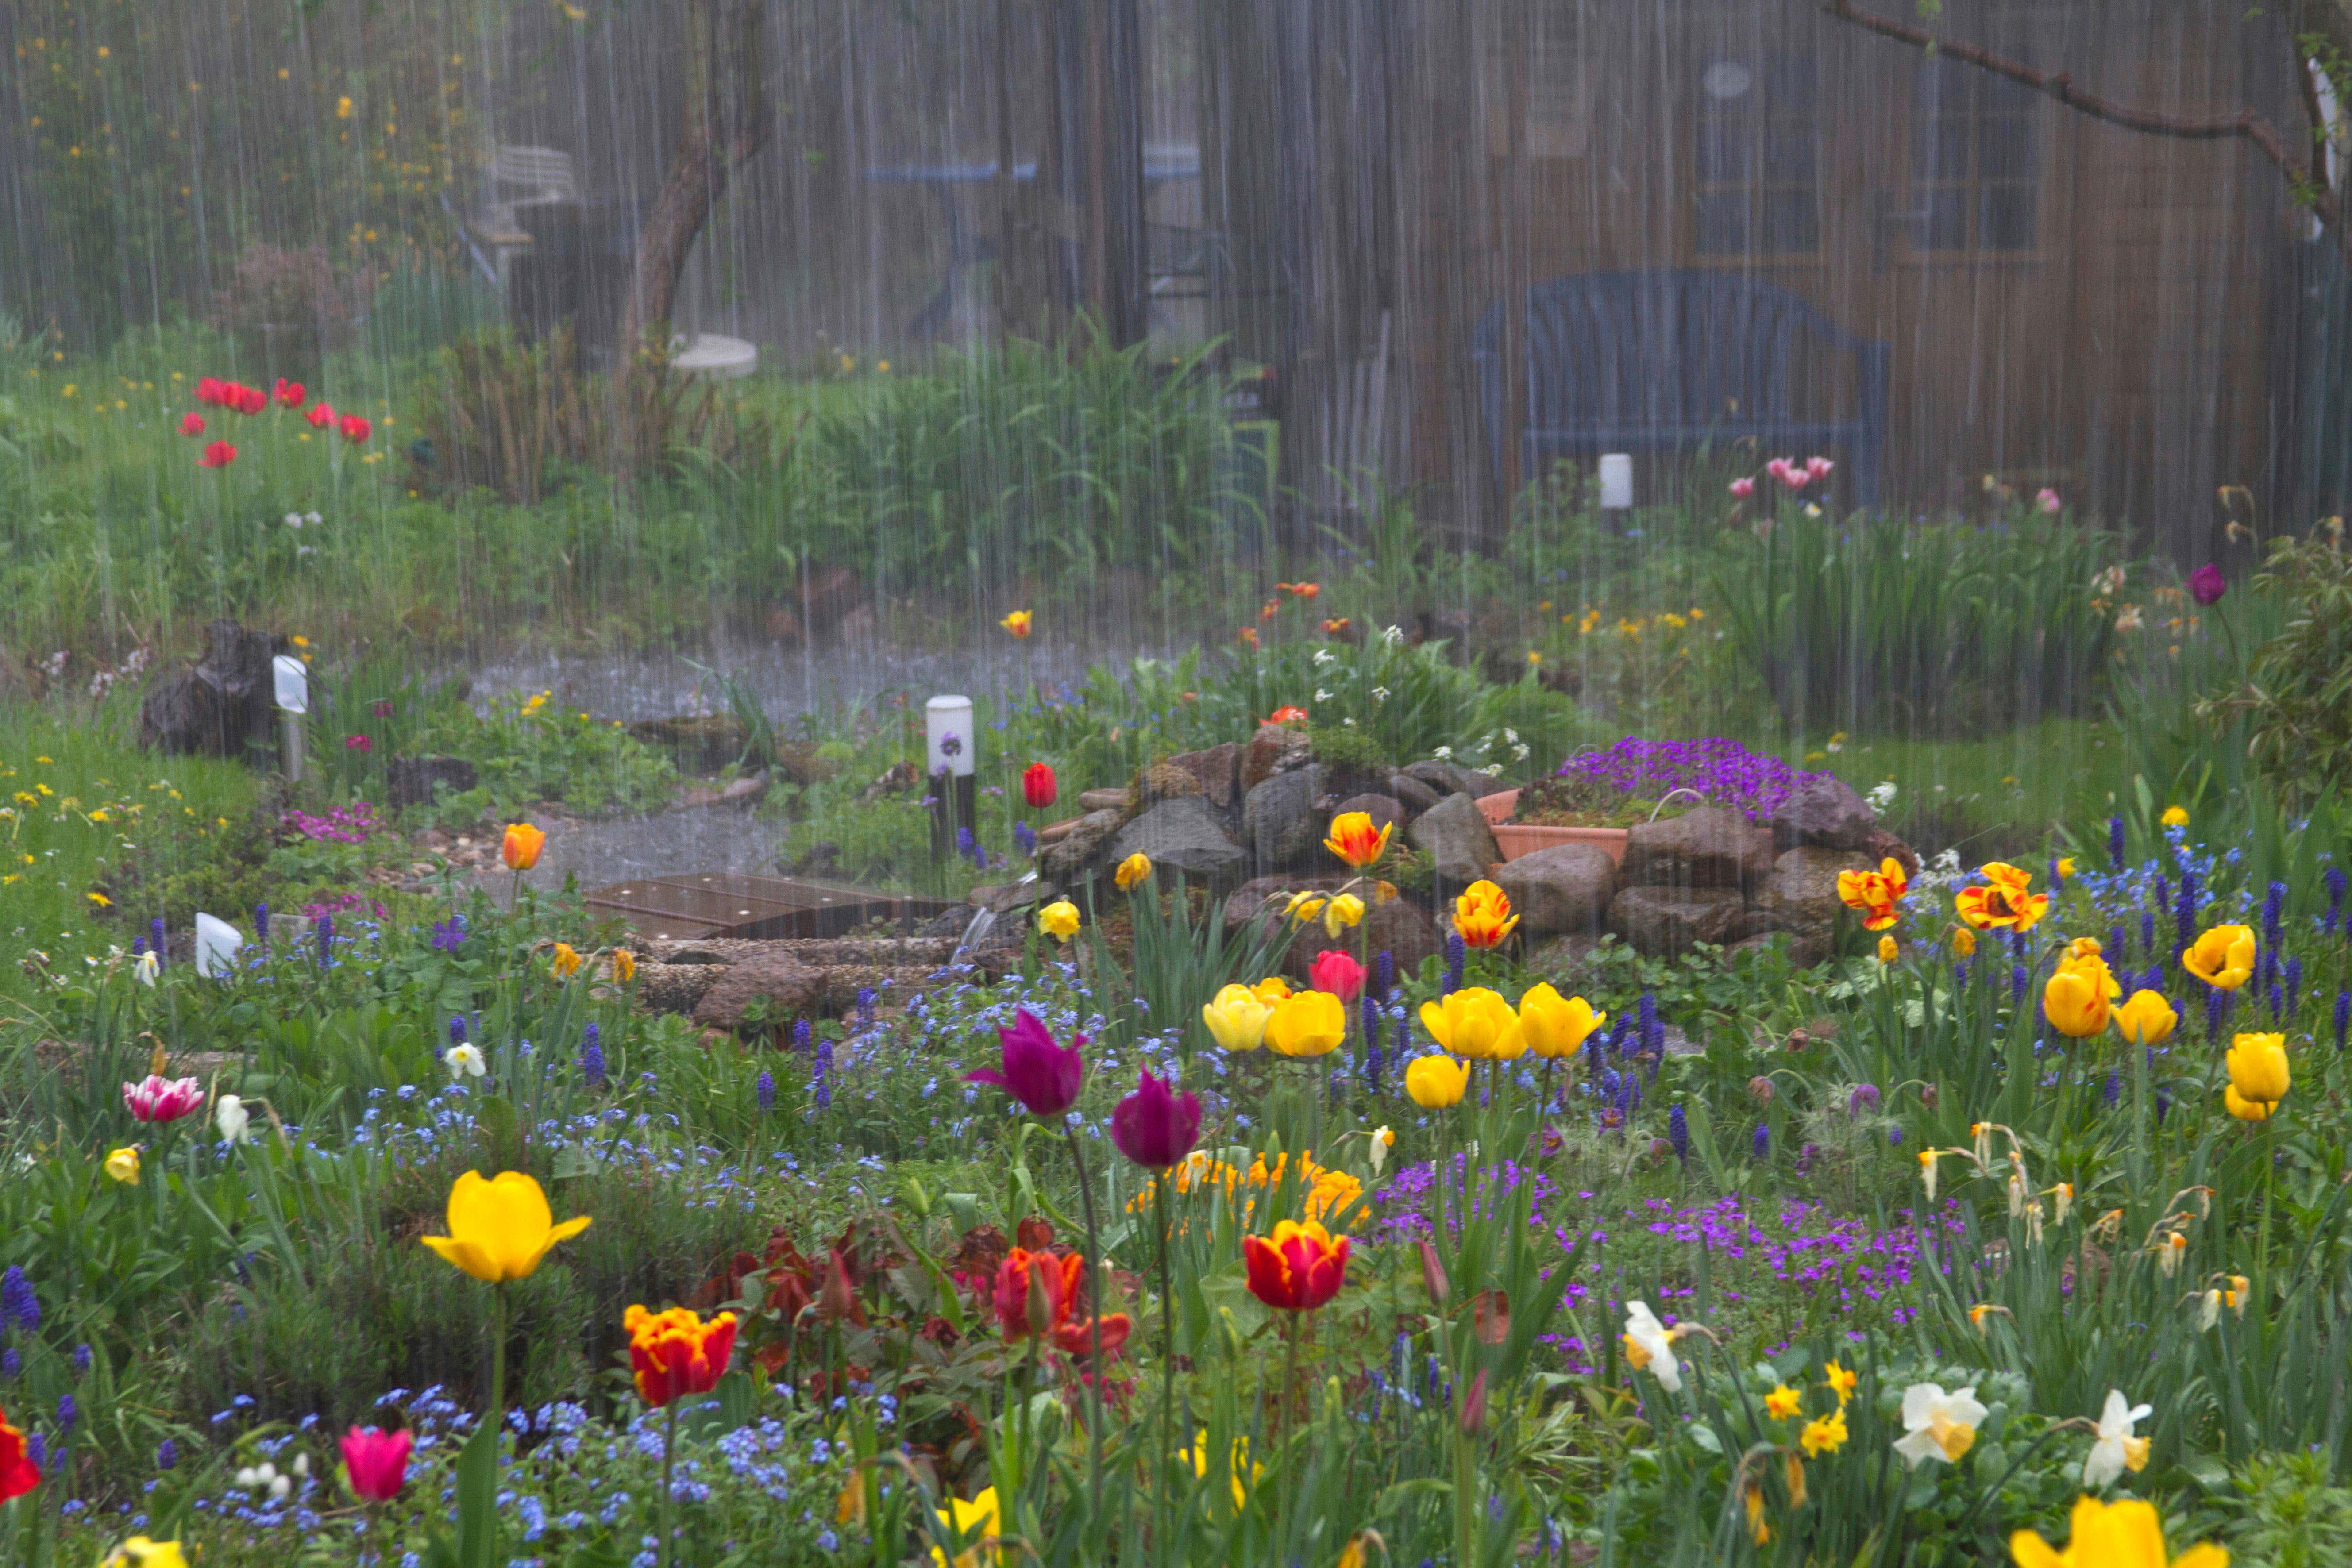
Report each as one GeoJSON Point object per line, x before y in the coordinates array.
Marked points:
{"type": "Point", "coordinates": [1094, 1326]}
{"type": "Point", "coordinates": [1167, 1335]}
{"type": "Point", "coordinates": [669, 1463]}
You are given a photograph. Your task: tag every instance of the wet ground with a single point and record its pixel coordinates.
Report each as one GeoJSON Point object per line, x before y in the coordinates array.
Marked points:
{"type": "Point", "coordinates": [616, 849]}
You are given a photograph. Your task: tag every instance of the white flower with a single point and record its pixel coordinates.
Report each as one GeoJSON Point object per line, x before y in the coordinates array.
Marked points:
{"type": "Point", "coordinates": [1881, 796]}
{"type": "Point", "coordinates": [1650, 1346]}
{"type": "Point", "coordinates": [1812, 510]}
{"type": "Point", "coordinates": [1321, 695]}
{"type": "Point", "coordinates": [313, 519]}
{"type": "Point", "coordinates": [1393, 636]}
{"type": "Point", "coordinates": [1379, 694]}
{"type": "Point", "coordinates": [301, 1466]}
{"type": "Point", "coordinates": [231, 1117]}
{"type": "Point", "coordinates": [1382, 1138]}
{"type": "Point", "coordinates": [2115, 1449]}
{"type": "Point", "coordinates": [1512, 736]}
{"type": "Point", "coordinates": [1323, 656]}
{"type": "Point", "coordinates": [146, 969]}
{"type": "Point", "coordinates": [1444, 754]}
{"type": "Point", "coordinates": [463, 1058]}
{"type": "Point", "coordinates": [1938, 1425]}
{"type": "Point", "coordinates": [1347, 723]}
{"type": "Point", "coordinates": [293, 519]}
{"type": "Point", "coordinates": [1519, 753]}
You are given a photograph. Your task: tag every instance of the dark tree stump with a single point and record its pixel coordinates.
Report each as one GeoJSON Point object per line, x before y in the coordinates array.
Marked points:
{"type": "Point", "coordinates": [225, 705]}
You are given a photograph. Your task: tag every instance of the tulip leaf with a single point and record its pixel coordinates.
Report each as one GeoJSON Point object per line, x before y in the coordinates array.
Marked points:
{"type": "Point", "coordinates": [478, 1499]}
{"type": "Point", "coordinates": [575, 1160]}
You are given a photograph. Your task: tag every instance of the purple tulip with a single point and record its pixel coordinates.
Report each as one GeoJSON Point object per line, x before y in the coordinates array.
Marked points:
{"type": "Point", "coordinates": [1038, 1073]}
{"type": "Point", "coordinates": [1152, 1127]}
{"type": "Point", "coordinates": [2206, 585]}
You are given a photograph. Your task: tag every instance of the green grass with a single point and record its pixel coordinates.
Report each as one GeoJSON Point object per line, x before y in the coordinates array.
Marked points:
{"type": "Point", "coordinates": [100, 807]}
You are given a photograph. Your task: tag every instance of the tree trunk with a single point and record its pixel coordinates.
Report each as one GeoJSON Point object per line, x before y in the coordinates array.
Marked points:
{"type": "Point", "coordinates": [728, 121]}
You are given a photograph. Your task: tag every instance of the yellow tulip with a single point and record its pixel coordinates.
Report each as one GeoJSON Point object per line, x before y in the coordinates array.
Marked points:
{"type": "Point", "coordinates": [2245, 1109]}
{"type": "Point", "coordinates": [1136, 868]}
{"type": "Point", "coordinates": [1237, 1018]}
{"type": "Point", "coordinates": [1555, 1027]}
{"type": "Point", "coordinates": [1889, 949]}
{"type": "Point", "coordinates": [960, 1519]}
{"type": "Point", "coordinates": [2258, 1066]}
{"type": "Point", "coordinates": [1016, 625]}
{"type": "Point", "coordinates": [1341, 912]}
{"type": "Point", "coordinates": [2075, 1001]}
{"type": "Point", "coordinates": [2176, 817]}
{"type": "Point", "coordinates": [500, 1229]}
{"type": "Point", "coordinates": [2222, 957]}
{"type": "Point", "coordinates": [1059, 920]}
{"type": "Point", "coordinates": [2148, 1019]}
{"type": "Point", "coordinates": [2125, 1534]}
{"type": "Point", "coordinates": [1964, 942]}
{"type": "Point", "coordinates": [1355, 840]}
{"type": "Point", "coordinates": [1435, 1082]}
{"type": "Point", "coordinates": [141, 1552]}
{"type": "Point", "coordinates": [1310, 1023]}
{"type": "Point", "coordinates": [124, 1165]}
{"type": "Point", "coordinates": [1474, 1021]}
{"type": "Point", "coordinates": [521, 846]}
{"type": "Point", "coordinates": [1272, 989]}
{"type": "Point", "coordinates": [2082, 954]}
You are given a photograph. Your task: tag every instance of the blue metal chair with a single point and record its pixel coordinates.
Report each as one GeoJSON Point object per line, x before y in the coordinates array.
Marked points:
{"type": "Point", "coordinates": [1664, 360]}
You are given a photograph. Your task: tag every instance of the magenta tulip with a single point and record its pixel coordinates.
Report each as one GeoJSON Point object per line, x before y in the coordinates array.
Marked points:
{"type": "Point", "coordinates": [1038, 1073]}
{"type": "Point", "coordinates": [1337, 973]}
{"type": "Point", "coordinates": [376, 1461]}
{"type": "Point", "coordinates": [159, 1099]}
{"type": "Point", "coordinates": [1153, 1127]}
{"type": "Point", "coordinates": [2206, 585]}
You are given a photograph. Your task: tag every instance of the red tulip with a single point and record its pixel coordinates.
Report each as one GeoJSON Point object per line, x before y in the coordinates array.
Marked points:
{"type": "Point", "coordinates": [192, 423]}
{"type": "Point", "coordinates": [376, 1462]}
{"type": "Point", "coordinates": [355, 428]}
{"type": "Point", "coordinates": [18, 1475]}
{"type": "Point", "coordinates": [248, 399]}
{"type": "Point", "coordinates": [289, 393]}
{"type": "Point", "coordinates": [1055, 1279]}
{"type": "Point", "coordinates": [219, 455]}
{"type": "Point", "coordinates": [1040, 1074]}
{"type": "Point", "coordinates": [1153, 1127]}
{"type": "Point", "coordinates": [1300, 1268]}
{"type": "Point", "coordinates": [212, 389]}
{"type": "Point", "coordinates": [675, 1353]}
{"type": "Point", "coordinates": [320, 415]}
{"type": "Point", "coordinates": [1337, 973]}
{"type": "Point", "coordinates": [1038, 786]}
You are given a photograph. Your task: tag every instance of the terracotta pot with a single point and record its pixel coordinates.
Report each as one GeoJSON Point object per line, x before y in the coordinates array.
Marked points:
{"type": "Point", "coordinates": [1518, 838]}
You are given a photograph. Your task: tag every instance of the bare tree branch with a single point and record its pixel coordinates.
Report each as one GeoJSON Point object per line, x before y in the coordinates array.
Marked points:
{"type": "Point", "coordinates": [2244, 125]}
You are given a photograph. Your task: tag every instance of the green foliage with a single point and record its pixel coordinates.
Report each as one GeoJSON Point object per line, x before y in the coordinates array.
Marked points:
{"type": "Point", "coordinates": [525, 748]}
{"type": "Point", "coordinates": [1874, 623]}
{"type": "Point", "coordinates": [2297, 699]}
{"type": "Point", "coordinates": [2288, 1516]}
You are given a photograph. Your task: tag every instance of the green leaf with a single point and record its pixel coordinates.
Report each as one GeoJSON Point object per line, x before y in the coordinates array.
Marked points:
{"type": "Point", "coordinates": [478, 1499]}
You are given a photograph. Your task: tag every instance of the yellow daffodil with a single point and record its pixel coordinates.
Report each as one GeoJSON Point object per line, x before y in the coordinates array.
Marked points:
{"type": "Point", "coordinates": [2175, 817]}
{"type": "Point", "coordinates": [1555, 1027]}
{"type": "Point", "coordinates": [1135, 869]}
{"type": "Point", "coordinates": [960, 1519]}
{"type": "Point", "coordinates": [625, 965]}
{"type": "Point", "coordinates": [2222, 957]}
{"type": "Point", "coordinates": [1305, 907]}
{"type": "Point", "coordinates": [1839, 1382]}
{"type": "Point", "coordinates": [1783, 1402]}
{"type": "Point", "coordinates": [1237, 1018]}
{"type": "Point", "coordinates": [2125, 1534]}
{"type": "Point", "coordinates": [566, 962]}
{"type": "Point", "coordinates": [1434, 1082]}
{"type": "Point", "coordinates": [123, 1164]}
{"type": "Point", "coordinates": [1889, 949]}
{"type": "Point", "coordinates": [500, 1229]}
{"type": "Point", "coordinates": [1310, 1023]}
{"type": "Point", "coordinates": [1757, 1529]}
{"type": "Point", "coordinates": [1824, 1434]}
{"type": "Point", "coordinates": [1964, 942]}
{"type": "Point", "coordinates": [1342, 911]}
{"type": "Point", "coordinates": [1474, 1021]}
{"type": "Point", "coordinates": [1059, 920]}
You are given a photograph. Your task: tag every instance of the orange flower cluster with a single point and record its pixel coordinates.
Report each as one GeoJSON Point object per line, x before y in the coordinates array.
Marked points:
{"type": "Point", "coordinates": [1054, 1285]}
{"type": "Point", "coordinates": [1875, 893]}
{"type": "Point", "coordinates": [1328, 1192]}
{"type": "Point", "coordinates": [2004, 902]}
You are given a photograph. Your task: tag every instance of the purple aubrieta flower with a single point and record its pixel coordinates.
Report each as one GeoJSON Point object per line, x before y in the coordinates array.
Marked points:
{"type": "Point", "coordinates": [1723, 771]}
{"type": "Point", "coordinates": [449, 935]}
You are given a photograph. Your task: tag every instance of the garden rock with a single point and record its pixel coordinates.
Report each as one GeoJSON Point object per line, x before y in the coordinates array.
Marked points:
{"type": "Point", "coordinates": [699, 742]}
{"type": "Point", "coordinates": [1275, 749]}
{"type": "Point", "coordinates": [1010, 896]}
{"type": "Point", "coordinates": [779, 982]}
{"type": "Point", "coordinates": [1102, 800]}
{"type": "Point", "coordinates": [1453, 778]}
{"type": "Point", "coordinates": [1073, 856]}
{"type": "Point", "coordinates": [1180, 835]}
{"type": "Point", "coordinates": [223, 706]}
{"type": "Point", "coordinates": [1667, 922]}
{"type": "Point", "coordinates": [1455, 832]}
{"type": "Point", "coordinates": [412, 781]}
{"type": "Point", "coordinates": [743, 792]}
{"type": "Point", "coordinates": [1562, 957]}
{"type": "Point", "coordinates": [1709, 848]}
{"type": "Point", "coordinates": [1415, 795]}
{"type": "Point", "coordinates": [1564, 890]}
{"type": "Point", "coordinates": [1824, 810]}
{"type": "Point", "coordinates": [1218, 772]}
{"type": "Point", "coordinates": [1884, 846]}
{"type": "Point", "coordinates": [1280, 823]}
{"type": "Point", "coordinates": [1802, 893]}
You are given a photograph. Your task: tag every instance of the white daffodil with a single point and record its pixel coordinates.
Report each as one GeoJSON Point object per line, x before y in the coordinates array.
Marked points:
{"type": "Point", "coordinates": [1650, 1346]}
{"type": "Point", "coordinates": [463, 1059]}
{"type": "Point", "coordinates": [1379, 694]}
{"type": "Point", "coordinates": [146, 969]}
{"type": "Point", "coordinates": [1321, 695]}
{"type": "Point", "coordinates": [231, 1117]}
{"type": "Point", "coordinates": [1382, 1138]}
{"type": "Point", "coordinates": [2116, 1451]}
{"type": "Point", "coordinates": [2209, 1312]}
{"type": "Point", "coordinates": [1323, 656]}
{"type": "Point", "coordinates": [1937, 1425]}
